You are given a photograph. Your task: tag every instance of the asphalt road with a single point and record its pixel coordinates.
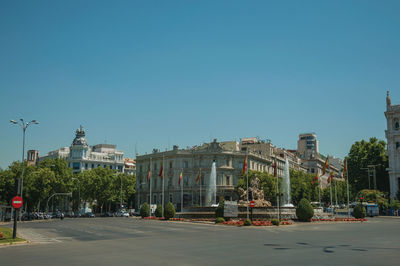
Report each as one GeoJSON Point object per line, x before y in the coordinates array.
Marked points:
{"type": "Point", "coordinates": [132, 241]}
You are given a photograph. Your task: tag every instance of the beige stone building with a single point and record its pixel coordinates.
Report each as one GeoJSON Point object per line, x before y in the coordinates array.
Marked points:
{"type": "Point", "coordinates": [229, 157]}
{"type": "Point", "coordinates": [393, 145]}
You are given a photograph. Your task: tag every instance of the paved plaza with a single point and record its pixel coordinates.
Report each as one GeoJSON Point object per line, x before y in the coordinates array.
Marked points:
{"type": "Point", "coordinates": [132, 241]}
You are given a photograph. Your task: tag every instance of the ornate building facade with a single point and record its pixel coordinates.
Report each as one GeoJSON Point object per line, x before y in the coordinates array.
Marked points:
{"type": "Point", "coordinates": [228, 156]}
{"type": "Point", "coordinates": [393, 144]}
{"type": "Point", "coordinates": [80, 156]}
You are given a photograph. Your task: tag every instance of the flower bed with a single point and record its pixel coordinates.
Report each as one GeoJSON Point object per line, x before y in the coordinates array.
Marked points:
{"type": "Point", "coordinates": [153, 218]}
{"type": "Point", "coordinates": [339, 220]}
{"type": "Point", "coordinates": [177, 219]}
{"type": "Point", "coordinates": [256, 222]}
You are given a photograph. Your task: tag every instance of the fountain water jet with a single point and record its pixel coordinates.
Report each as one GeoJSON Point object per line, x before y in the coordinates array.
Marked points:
{"type": "Point", "coordinates": [212, 186]}
{"type": "Point", "coordinates": [286, 200]}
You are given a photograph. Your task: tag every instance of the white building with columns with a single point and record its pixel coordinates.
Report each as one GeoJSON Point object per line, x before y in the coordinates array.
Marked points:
{"type": "Point", "coordinates": [393, 144]}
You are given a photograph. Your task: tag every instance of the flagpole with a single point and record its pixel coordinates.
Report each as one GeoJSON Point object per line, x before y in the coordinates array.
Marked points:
{"type": "Point", "coordinates": [150, 187]}
{"type": "Point", "coordinates": [347, 179]}
{"type": "Point", "coordinates": [200, 186]}
{"type": "Point", "coordinates": [162, 202]}
{"type": "Point", "coordinates": [247, 194]}
{"type": "Point", "coordinates": [330, 188]}
{"type": "Point", "coordinates": [319, 189]}
{"type": "Point", "coordinates": [336, 203]}
{"type": "Point", "coordinates": [182, 192]}
{"type": "Point", "coordinates": [277, 187]}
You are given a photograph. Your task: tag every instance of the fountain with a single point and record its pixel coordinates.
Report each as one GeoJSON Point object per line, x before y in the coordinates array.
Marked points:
{"type": "Point", "coordinates": [286, 200]}
{"type": "Point", "coordinates": [212, 186]}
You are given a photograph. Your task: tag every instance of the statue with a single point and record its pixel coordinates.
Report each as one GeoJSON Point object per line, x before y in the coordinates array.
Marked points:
{"type": "Point", "coordinates": [388, 100]}
{"type": "Point", "coordinates": [256, 194]}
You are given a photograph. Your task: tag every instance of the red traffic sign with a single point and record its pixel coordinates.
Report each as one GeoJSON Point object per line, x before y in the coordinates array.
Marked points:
{"type": "Point", "coordinates": [17, 202]}
{"type": "Point", "coordinates": [252, 204]}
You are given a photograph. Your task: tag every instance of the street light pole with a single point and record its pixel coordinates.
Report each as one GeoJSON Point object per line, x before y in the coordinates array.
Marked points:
{"type": "Point", "coordinates": [24, 125]}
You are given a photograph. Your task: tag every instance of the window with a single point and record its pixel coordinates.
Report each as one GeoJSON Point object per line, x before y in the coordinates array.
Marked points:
{"type": "Point", "coordinates": [141, 168]}
{"type": "Point", "coordinates": [227, 180]}
{"type": "Point", "coordinates": [86, 166]}
{"type": "Point", "coordinates": [170, 164]}
{"type": "Point", "coordinates": [110, 166]}
{"type": "Point", "coordinates": [155, 166]}
{"type": "Point", "coordinates": [185, 164]}
{"type": "Point", "coordinates": [170, 198]}
{"type": "Point", "coordinates": [397, 145]}
{"type": "Point", "coordinates": [76, 166]}
{"type": "Point", "coordinates": [396, 125]}
{"type": "Point", "coordinates": [92, 165]}
{"type": "Point", "coordinates": [155, 199]}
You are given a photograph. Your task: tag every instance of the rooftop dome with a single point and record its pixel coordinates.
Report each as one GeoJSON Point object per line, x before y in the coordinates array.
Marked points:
{"type": "Point", "coordinates": [80, 137]}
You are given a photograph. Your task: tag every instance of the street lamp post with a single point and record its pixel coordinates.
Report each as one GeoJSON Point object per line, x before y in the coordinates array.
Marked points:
{"type": "Point", "coordinates": [24, 125]}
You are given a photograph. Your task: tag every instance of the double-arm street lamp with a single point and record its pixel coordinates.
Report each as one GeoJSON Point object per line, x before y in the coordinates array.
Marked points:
{"type": "Point", "coordinates": [24, 125]}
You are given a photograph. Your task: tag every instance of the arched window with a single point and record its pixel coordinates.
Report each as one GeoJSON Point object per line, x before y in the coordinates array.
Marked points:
{"type": "Point", "coordinates": [396, 125]}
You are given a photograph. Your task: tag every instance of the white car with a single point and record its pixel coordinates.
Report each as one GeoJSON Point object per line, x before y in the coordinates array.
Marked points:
{"type": "Point", "coordinates": [125, 214]}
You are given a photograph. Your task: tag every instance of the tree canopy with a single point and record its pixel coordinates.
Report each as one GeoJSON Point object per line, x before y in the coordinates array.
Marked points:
{"type": "Point", "coordinates": [362, 154]}
{"type": "Point", "coordinates": [100, 186]}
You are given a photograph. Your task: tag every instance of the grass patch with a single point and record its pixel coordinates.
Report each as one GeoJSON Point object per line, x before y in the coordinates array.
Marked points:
{"type": "Point", "coordinates": [7, 234]}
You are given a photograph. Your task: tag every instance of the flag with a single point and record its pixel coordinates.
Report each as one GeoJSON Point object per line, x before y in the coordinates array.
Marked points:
{"type": "Point", "coordinates": [345, 169]}
{"type": "Point", "coordinates": [161, 174]}
{"type": "Point", "coordinates": [180, 178]}
{"type": "Point", "coordinates": [330, 178]}
{"type": "Point", "coordinates": [316, 178]}
{"type": "Point", "coordinates": [326, 166]}
{"type": "Point", "coordinates": [198, 177]}
{"type": "Point", "coordinates": [149, 173]}
{"type": "Point", "coordinates": [274, 166]}
{"type": "Point", "coordinates": [244, 165]}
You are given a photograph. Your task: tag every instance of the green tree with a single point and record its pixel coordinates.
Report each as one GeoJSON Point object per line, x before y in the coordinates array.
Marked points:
{"type": "Point", "coordinates": [304, 210]}
{"type": "Point", "coordinates": [169, 211]}
{"type": "Point", "coordinates": [145, 210]}
{"type": "Point", "coordinates": [363, 153]}
{"type": "Point", "coordinates": [159, 211]}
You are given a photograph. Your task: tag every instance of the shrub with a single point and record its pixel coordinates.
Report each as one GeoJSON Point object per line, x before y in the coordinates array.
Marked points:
{"type": "Point", "coordinates": [247, 222]}
{"type": "Point", "coordinates": [169, 211]}
{"type": "Point", "coordinates": [304, 210]}
{"type": "Point", "coordinates": [219, 220]}
{"type": "Point", "coordinates": [145, 210]}
{"type": "Point", "coordinates": [219, 211]}
{"type": "Point", "coordinates": [275, 222]}
{"type": "Point", "coordinates": [359, 211]}
{"type": "Point", "coordinates": [159, 211]}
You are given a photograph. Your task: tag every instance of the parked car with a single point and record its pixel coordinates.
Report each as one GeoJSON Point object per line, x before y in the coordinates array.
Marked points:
{"type": "Point", "coordinates": [90, 215]}
{"type": "Point", "coordinates": [107, 214]}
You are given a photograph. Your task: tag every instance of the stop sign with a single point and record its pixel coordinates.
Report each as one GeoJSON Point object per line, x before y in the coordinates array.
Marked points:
{"type": "Point", "coordinates": [16, 202]}
{"type": "Point", "coordinates": [252, 204]}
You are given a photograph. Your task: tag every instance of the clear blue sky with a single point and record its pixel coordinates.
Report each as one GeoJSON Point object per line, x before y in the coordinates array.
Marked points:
{"type": "Point", "coordinates": [152, 74]}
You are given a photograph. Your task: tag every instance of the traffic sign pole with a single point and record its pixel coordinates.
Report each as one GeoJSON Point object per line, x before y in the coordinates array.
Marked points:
{"type": "Point", "coordinates": [252, 204]}
{"type": "Point", "coordinates": [17, 203]}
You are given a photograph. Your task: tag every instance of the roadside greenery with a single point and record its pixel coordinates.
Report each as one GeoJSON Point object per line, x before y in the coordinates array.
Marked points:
{"type": "Point", "coordinates": [359, 211]}
{"type": "Point", "coordinates": [145, 210]}
{"type": "Point", "coordinates": [304, 211]}
{"type": "Point", "coordinates": [363, 153]}
{"type": "Point", "coordinates": [6, 236]}
{"type": "Point", "coordinates": [169, 211]}
{"type": "Point", "coordinates": [101, 186]}
{"type": "Point", "coordinates": [159, 211]}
